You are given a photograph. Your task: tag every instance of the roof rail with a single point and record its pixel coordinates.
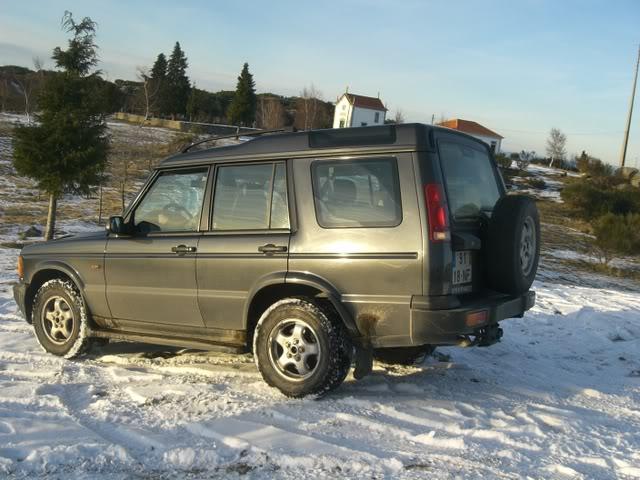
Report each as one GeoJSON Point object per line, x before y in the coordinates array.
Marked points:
{"type": "Point", "coordinates": [188, 147]}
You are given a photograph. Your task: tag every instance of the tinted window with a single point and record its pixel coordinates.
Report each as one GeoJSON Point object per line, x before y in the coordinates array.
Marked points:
{"type": "Point", "coordinates": [357, 193]}
{"type": "Point", "coordinates": [173, 203]}
{"type": "Point", "coordinates": [250, 197]}
{"type": "Point", "coordinates": [471, 181]}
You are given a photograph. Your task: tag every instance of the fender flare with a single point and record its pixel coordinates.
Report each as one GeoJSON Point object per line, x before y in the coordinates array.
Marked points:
{"type": "Point", "coordinates": [274, 278]}
{"type": "Point", "coordinates": [61, 267]}
{"type": "Point", "coordinates": [332, 293]}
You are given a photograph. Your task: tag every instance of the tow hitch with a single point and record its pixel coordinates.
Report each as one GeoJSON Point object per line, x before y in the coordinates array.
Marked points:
{"type": "Point", "coordinates": [483, 337]}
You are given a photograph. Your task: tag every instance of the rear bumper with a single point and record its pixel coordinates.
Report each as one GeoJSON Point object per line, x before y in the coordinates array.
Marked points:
{"type": "Point", "coordinates": [447, 326]}
{"type": "Point", "coordinates": [19, 294]}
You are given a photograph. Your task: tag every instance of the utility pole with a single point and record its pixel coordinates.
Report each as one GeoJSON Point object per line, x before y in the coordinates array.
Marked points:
{"type": "Point", "coordinates": [623, 153]}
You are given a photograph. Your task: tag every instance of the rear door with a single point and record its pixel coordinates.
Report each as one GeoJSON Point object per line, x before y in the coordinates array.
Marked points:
{"type": "Point", "coordinates": [359, 229]}
{"type": "Point", "coordinates": [247, 242]}
{"type": "Point", "coordinates": [473, 186]}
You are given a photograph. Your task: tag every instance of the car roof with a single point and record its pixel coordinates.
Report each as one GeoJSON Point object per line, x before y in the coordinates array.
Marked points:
{"type": "Point", "coordinates": [329, 142]}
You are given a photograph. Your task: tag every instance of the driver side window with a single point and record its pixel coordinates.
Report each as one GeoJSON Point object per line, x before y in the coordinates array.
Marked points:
{"type": "Point", "coordinates": [173, 203]}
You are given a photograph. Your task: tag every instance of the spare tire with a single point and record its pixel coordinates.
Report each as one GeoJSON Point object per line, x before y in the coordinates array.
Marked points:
{"type": "Point", "coordinates": [513, 244]}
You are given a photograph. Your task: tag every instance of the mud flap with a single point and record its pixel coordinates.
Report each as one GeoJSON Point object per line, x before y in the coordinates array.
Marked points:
{"type": "Point", "coordinates": [364, 362]}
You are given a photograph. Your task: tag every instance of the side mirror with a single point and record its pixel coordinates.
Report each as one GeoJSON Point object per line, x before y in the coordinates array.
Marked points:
{"type": "Point", "coordinates": [116, 225]}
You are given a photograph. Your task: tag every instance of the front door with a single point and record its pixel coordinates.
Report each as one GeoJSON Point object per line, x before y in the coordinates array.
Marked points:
{"type": "Point", "coordinates": [247, 244]}
{"type": "Point", "coordinates": [151, 274]}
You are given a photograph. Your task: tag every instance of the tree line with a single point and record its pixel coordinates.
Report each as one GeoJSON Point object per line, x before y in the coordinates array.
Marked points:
{"type": "Point", "coordinates": [164, 90]}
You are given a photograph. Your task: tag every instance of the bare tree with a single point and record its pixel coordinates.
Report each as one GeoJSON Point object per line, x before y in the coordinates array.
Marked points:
{"type": "Point", "coordinates": [38, 66]}
{"type": "Point", "coordinates": [25, 84]}
{"type": "Point", "coordinates": [442, 119]}
{"type": "Point", "coordinates": [523, 159]}
{"type": "Point", "coordinates": [399, 116]}
{"type": "Point", "coordinates": [556, 145]}
{"type": "Point", "coordinates": [307, 108]}
{"type": "Point", "coordinates": [271, 112]}
{"type": "Point", "coordinates": [150, 89]}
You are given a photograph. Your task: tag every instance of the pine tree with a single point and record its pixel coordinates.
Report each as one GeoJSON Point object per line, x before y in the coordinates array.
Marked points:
{"type": "Point", "coordinates": [159, 69]}
{"type": "Point", "coordinates": [66, 150]}
{"type": "Point", "coordinates": [242, 110]}
{"type": "Point", "coordinates": [178, 85]}
{"type": "Point", "coordinates": [158, 83]}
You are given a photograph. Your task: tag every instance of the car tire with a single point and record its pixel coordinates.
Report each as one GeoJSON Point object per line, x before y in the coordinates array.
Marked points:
{"type": "Point", "coordinates": [59, 318]}
{"type": "Point", "coordinates": [513, 245]}
{"type": "Point", "coordinates": [301, 347]}
{"type": "Point", "coordinates": [403, 355]}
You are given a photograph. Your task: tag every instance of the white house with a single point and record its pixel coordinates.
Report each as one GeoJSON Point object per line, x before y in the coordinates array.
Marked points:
{"type": "Point", "coordinates": [474, 129]}
{"type": "Point", "coordinates": [358, 111]}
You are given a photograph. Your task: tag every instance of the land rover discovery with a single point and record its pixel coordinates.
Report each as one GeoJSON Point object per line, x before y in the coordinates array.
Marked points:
{"type": "Point", "coordinates": [314, 250]}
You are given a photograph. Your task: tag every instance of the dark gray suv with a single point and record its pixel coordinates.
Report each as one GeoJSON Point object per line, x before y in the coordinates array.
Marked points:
{"type": "Point", "coordinates": [314, 250]}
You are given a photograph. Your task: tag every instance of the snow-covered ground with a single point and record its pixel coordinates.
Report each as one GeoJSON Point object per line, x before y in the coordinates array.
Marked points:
{"type": "Point", "coordinates": [559, 397]}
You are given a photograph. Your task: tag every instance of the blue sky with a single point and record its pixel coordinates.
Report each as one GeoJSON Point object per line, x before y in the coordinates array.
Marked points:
{"type": "Point", "coordinates": [518, 67]}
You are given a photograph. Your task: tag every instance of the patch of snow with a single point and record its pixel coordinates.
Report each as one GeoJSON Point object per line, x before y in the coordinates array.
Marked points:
{"type": "Point", "coordinates": [557, 397]}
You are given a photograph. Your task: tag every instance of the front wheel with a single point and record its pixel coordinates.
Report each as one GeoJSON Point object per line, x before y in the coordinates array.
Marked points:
{"type": "Point", "coordinates": [301, 347]}
{"type": "Point", "coordinates": [59, 318]}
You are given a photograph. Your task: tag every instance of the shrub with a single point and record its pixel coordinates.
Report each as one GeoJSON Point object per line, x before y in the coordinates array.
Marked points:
{"type": "Point", "coordinates": [593, 167]}
{"type": "Point", "coordinates": [536, 183]}
{"type": "Point", "coordinates": [592, 199]}
{"type": "Point", "coordinates": [523, 159]}
{"type": "Point", "coordinates": [503, 160]}
{"type": "Point", "coordinates": [617, 235]}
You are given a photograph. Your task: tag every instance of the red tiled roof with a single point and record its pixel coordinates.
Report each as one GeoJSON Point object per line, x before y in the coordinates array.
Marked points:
{"type": "Point", "coordinates": [361, 101]}
{"type": "Point", "coordinates": [467, 126]}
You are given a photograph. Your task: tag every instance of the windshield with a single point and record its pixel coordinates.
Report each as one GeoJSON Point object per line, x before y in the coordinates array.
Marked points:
{"type": "Point", "coordinates": [471, 181]}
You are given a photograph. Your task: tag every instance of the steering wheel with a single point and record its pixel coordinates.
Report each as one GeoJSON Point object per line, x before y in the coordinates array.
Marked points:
{"type": "Point", "coordinates": [176, 209]}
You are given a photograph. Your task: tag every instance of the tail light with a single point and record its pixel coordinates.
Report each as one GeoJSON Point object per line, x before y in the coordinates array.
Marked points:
{"type": "Point", "coordinates": [438, 213]}
{"type": "Point", "coordinates": [20, 267]}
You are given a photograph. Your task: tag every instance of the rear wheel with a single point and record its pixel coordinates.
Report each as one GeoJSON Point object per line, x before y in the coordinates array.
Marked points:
{"type": "Point", "coordinates": [403, 355]}
{"type": "Point", "coordinates": [59, 318]}
{"type": "Point", "coordinates": [301, 347]}
{"type": "Point", "coordinates": [513, 244]}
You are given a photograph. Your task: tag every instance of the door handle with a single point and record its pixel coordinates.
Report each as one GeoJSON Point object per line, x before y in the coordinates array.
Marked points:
{"type": "Point", "coordinates": [182, 249]}
{"type": "Point", "coordinates": [271, 248]}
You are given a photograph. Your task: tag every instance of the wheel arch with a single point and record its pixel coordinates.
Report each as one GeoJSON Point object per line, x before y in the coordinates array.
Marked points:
{"type": "Point", "coordinates": [48, 271]}
{"type": "Point", "coordinates": [275, 287]}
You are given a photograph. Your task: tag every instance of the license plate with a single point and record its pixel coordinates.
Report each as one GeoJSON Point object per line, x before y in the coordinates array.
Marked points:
{"type": "Point", "coordinates": [461, 267]}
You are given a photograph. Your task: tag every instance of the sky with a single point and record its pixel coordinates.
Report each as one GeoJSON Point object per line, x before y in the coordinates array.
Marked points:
{"type": "Point", "coordinates": [517, 67]}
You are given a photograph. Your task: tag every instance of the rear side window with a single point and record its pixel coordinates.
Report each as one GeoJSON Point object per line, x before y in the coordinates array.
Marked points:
{"type": "Point", "coordinates": [472, 185]}
{"type": "Point", "coordinates": [357, 193]}
{"type": "Point", "coordinates": [250, 197]}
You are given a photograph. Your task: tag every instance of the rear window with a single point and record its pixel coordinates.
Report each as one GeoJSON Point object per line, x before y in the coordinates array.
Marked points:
{"type": "Point", "coordinates": [357, 193]}
{"type": "Point", "coordinates": [470, 179]}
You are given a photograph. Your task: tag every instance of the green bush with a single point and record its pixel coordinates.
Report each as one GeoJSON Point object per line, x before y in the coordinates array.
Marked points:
{"type": "Point", "coordinates": [593, 199]}
{"type": "Point", "coordinates": [617, 235]}
{"type": "Point", "coordinates": [593, 167]}
{"type": "Point", "coordinates": [536, 183]}
{"type": "Point", "coordinates": [503, 160]}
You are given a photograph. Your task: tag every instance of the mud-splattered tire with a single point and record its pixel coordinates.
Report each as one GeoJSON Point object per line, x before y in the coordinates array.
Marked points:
{"type": "Point", "coordinates": [301, 347]}
{"type": "Point", "coordinates": [59, 318]}
{"type": "Point", "coordinates": [403, 355]}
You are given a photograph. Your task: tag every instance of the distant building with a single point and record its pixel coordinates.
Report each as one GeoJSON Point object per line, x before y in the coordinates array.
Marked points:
{"type": "Point", "coordinates": [474, 129]}
{"type": "Point", "coordinates": [358, 111]}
